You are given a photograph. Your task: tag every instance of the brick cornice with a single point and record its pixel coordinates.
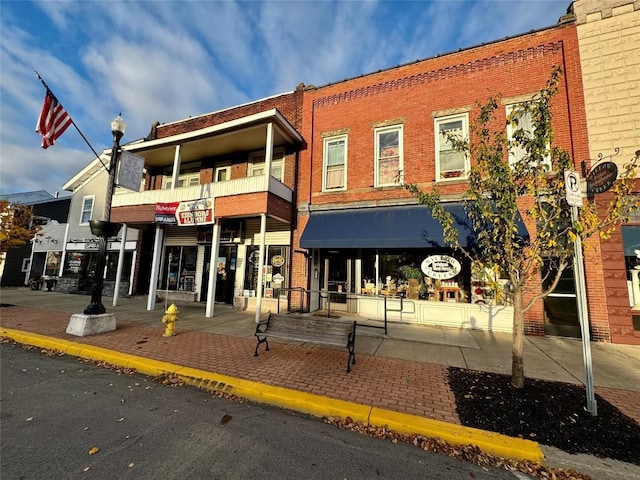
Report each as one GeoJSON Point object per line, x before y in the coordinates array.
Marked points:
{"type": "Point", "coordinates": [442, 73]}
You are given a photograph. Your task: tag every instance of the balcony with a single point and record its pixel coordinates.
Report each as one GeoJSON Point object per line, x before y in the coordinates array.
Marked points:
{"type": "Point", "coordinates": [238, 186]}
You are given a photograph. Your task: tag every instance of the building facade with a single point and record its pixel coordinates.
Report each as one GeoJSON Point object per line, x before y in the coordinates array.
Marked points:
{"type": "Point", "coordinates": [42, 256]}
{"type": "Point", "coordinates": [299, 192]}
{"type": "Point", "coordinates": [609, 44]}
{"type": "Point", "coordinates": [218, 205]}
{"type": "Point", "coordinates": [362, 238]}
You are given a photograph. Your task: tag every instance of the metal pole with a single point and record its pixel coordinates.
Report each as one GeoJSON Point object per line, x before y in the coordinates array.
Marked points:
{"type": "Point", "coordinates": [96, 307]}
{"type": "Point", "coordinates": [583, 315]}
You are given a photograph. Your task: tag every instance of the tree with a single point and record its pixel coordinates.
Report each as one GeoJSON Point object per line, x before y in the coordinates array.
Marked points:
{"type": "Point", "coordinates": [499, 191]}
{"type": "Point", "coordinates": [16, 225]}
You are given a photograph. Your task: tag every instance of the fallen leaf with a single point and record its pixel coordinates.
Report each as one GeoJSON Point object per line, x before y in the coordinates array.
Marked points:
{"type": "Point", "coordinates": [93, 450]}
{"type": "Point", "coordinates": [225, 419]}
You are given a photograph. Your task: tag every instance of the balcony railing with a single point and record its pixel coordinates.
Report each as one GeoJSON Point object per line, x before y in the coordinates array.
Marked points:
{"type": "Point", "coordinates": [210, 190]}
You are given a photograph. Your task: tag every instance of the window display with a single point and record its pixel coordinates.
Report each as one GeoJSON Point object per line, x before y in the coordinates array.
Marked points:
{"type": "Point", "coordinates": [179, 268]}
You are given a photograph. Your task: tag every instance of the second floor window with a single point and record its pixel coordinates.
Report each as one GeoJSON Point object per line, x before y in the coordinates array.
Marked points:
{"type": "Point", "coordinates": [335, 163]}
{"type": "Point", "coordinates": [223, 174]}
{"type": "Point", "coordinates": [450, 163]}
{"type": "Point", "coordinates": [388, 161]}
{"type": "Point", "coordinates": [87, 210]}
{"type": "Point", "coordinates": [256, 164]}
{"type": "Point", "coordinates": [184, 180]}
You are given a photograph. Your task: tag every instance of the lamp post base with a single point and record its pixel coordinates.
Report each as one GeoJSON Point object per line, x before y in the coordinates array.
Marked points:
{"type": "Point", "coordinates": [82, 325]}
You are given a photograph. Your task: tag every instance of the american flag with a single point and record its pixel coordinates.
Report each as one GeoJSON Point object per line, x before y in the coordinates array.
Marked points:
{"type": "Point", "coordinates": [53, 120]}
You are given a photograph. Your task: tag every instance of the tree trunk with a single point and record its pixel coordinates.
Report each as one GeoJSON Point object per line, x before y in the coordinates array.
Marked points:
{"type": "Point", "coordinates": [517, 362]}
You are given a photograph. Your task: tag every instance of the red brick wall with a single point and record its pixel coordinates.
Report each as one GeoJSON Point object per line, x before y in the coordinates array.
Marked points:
{"type": "Point", "coordinates": [288, 104]}
{"type": "Point", "coordinates": [412, 94]}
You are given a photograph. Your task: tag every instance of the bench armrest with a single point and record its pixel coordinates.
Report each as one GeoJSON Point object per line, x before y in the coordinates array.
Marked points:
{"type": "Point", "coordinates": [262, 326]}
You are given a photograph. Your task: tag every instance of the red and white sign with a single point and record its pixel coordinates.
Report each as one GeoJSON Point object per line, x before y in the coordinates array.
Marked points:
{"type": "Point", "coordinates": [166, 213]}
{"type": "Point", "coordinates": [197, 212]}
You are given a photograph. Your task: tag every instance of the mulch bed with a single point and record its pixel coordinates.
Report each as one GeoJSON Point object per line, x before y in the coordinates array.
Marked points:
{"type": "Point", "coordinates": [550, 413]}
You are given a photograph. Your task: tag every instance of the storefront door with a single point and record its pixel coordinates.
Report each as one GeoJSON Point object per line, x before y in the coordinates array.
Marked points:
{"type": "Point", "coordinates": [225, 266]}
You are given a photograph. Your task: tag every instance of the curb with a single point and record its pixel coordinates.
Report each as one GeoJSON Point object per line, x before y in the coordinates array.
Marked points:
{"type": "Point", "coordinates": [316, 405]}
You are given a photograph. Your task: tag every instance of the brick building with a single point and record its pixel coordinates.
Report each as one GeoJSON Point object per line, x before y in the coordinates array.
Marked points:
{"type": "Point", "coordinates": [609, 44]}
{"type": "Point", "coordinates": [359, 232]}
{"type": "Point", "coordinates": [298, 191]}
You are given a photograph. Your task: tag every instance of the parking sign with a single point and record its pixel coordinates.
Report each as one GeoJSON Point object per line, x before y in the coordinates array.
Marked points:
{"type": "Point", "coordinates": [572, 187]}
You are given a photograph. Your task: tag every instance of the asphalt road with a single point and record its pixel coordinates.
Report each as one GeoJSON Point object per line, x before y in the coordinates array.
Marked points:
{"type": "Point", "coordinates": [56, 410]}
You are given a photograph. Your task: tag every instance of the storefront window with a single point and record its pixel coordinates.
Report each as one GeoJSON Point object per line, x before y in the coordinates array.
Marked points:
{"type": "Point", "coordinates": [417, 275]}
{"type": "Point", "coordinates": [275, 271]}
{"type": "Point", "coordinates": [112, 265]}
{"type": "Point", "coordinates": [52, 266]}
{"type": "Point", "coordinates": [179, 268]}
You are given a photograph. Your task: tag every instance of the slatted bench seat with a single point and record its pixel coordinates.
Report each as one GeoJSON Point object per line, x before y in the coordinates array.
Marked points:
{"type": "Point", "coordinates": [320, 330]}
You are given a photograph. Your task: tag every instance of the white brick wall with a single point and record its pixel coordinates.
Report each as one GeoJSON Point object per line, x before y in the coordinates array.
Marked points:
{"type": "Point", "coordinates": [609, 38]}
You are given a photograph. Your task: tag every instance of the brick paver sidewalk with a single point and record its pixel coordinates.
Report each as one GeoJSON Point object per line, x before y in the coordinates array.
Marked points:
{"type": "Point", "coordinates": [405, 386]}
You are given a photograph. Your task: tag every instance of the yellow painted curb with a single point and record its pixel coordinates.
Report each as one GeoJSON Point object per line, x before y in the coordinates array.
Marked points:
{"type": "Point", "coordinates": [316, 405]}
{"type": "Point", "coordinates": [490, 442]}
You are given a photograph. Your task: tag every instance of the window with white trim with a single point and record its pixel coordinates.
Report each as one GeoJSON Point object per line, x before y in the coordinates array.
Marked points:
{"type": "Point", "coordinates": [256, 164]}
{"type": "Point", "coordinates": [87, 209]}
{"type": "Point", "coordinates": [184, 180]}
{"type": "Point", "coordinates": [450, 162]}
{"type": "Point", "coordinates": [519, 119]}
{"type": "Point", "coordinates": [223, 174]}
{"type": "Point", "coordinates": [334, 164]}
{"type": "Point", "coordinates": [388, 155]}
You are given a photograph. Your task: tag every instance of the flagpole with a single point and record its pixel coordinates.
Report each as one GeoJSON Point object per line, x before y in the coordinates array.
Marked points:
{"type": "Point", "coordinates": [72, 122]}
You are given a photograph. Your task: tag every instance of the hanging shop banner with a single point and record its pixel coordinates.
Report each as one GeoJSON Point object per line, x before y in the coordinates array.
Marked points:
{"type": "Point", "coordinates": [441, 267]}
{"type": "Point", "coordinates": [130, 171]}
{"type": "Point", "coordinates": [166, 213]}
{"type": "Point", "coordinates": [197, 212]}
{"type": "Point", "coordinates": [601, 177]}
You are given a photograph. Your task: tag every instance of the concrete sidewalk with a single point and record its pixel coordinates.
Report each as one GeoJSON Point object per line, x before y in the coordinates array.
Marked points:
{"type": "Point", "coordinates": [399, 379]}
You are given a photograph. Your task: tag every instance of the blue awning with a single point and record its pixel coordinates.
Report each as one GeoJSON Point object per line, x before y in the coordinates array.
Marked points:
{"type": "Point", "coordinates": [385, 227]}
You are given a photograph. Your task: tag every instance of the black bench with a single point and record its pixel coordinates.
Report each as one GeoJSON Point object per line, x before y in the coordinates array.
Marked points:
{"type": "Point", "coordinates": [321, 330]}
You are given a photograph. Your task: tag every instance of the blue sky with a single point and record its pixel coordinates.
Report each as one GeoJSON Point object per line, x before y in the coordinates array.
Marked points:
{"type": "Point", "coordinates": [168, 60]}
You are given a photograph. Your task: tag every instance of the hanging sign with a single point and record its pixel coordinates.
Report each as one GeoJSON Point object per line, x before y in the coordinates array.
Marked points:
{"type": "Point", "coordinates": [602, 177]}
{"type": "Point", "coordinates": [277, 260]}
{"type": "Point", "coordinates": [130, 171]}
{"type": "Point", "coordinates": [197, 212]}
{"type": "Point", "coordinates": [166, 213]}
{"type": "Point", "coordinates": [441, 267]}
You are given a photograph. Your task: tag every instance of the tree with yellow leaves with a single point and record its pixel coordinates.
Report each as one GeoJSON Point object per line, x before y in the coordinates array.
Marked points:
{"type": "Point", "coordinates": [500, 190]}
{"type": "Point", "coordinates": [16, 225]}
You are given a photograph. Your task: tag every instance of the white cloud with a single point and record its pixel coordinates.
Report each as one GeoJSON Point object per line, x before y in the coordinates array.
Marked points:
{"type": "Point", "coordinates": [163, 61]}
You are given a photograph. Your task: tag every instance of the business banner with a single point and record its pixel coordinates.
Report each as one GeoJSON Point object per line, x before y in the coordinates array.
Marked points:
{"type": "Point", "coordinates": [166, 213]}
{"type": "Point", "coordinates": [197, 212]}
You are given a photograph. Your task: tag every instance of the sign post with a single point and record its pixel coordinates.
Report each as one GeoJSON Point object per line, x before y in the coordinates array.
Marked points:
{"type": "Point", "coordinates": [574, 199]}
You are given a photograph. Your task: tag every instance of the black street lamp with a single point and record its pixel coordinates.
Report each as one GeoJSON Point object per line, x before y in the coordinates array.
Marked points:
{"type": "Point", "coordinates": [104, 228]}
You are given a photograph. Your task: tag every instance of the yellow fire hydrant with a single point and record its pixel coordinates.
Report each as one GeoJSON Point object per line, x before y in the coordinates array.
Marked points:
{"type": "Point", "coordinates": [170, 320]}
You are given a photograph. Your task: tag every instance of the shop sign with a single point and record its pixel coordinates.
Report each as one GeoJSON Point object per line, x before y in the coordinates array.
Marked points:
{"type": "Point", "coordinates": [277, 278]}
{"type": "Point", "coordinates": [277, 260]}
{"type": "Point", "coordinates": [197, 212]}
{"type": "Point", "coordinates": [602, 177]}
{"type": "Point", "coordinates": [166, 213]}
{"type": "Point", "coordinates": [441, 267]}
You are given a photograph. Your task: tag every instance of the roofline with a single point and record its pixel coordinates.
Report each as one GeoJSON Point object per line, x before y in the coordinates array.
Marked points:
{"type": "Point", "coordinates": [273, 113]}
{"type": "Point", "coordinates": [227, 109]}
{"type": "Point", "coordinates": [440, 55]}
